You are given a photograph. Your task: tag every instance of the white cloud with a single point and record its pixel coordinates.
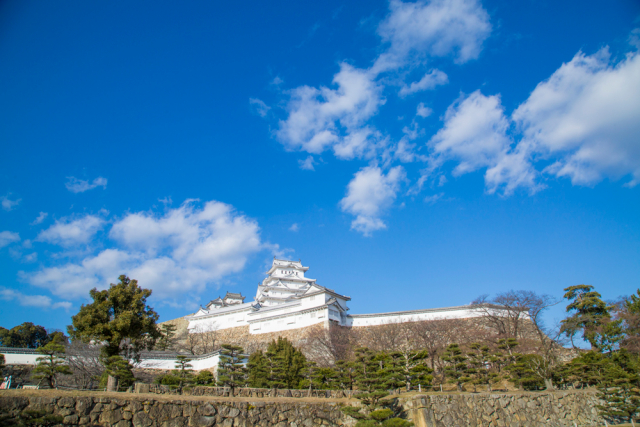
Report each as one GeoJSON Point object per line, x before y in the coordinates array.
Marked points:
{"type": "Point", "coordinates": [423, 111]}
{"type": "Point", "coordinates": [7, 203]}
{"type": "Point", "coordinates": [587, 117]}
{"type": "Point", "coordinates": [76, 185]}
{"type": "Point", "coordinates": [369, 194]}
{"type": "Point", "coordinates": [39, 301]}
{"type": "Point", "coordinates": [8, 237]}
{"type": "Point", "coordinates": [307, 164]}
{"type": "Point", "coordinates": [317, 117]}
{"type": "Point", "coordinates": [40, 218]}
{"type": "Point", "coordinates": [183, 250]}
{"type": "Point", "coordinates": [434, 28]}
{"type": "Point", "coordinates": [430, 80]}
{"type": "Point", "coordinates": [474, 136]}
{"type": "Point", "coordinates": [70, 232]}
{"type": "Point", "coordinates": [474, 133]}
{"type": "Point", "coordinates": [32, 257]}
{"type": "Point", "coordinates": [259, 106]}
{"type": "Point", "coordinates": [433, 198]}
{"type": "Point", "coordinates": [294, 227]}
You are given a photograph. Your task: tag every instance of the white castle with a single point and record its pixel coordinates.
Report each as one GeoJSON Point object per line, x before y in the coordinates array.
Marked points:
{"type": "Point", "coordinates": [286, 299]}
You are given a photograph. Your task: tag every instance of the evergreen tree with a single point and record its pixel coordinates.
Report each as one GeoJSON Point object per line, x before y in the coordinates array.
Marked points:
{"type": "Point", "coordinates": [118, 316]}
{"type": "Point", "coordinates": [204, 378]}
{"type": "Point", "coordinates": [259, 370]}
{"type": "Point", "coordinates": [52, 364]}
{"type": "Point", "coordinates": [286, 364]}
{"type": "Point", "coordinates": [456, 368]}
{"type": "Point", "coordinates": [183, 366]}
{"type": "Point", "coordinates": [308, 374]}
{"type": "Point", "coordinates": [119, 368]}
{"type": "Point", "coordinates": [346, 373]}
{"type": "Point", "coordinates": [28, 335]}
{"type": "Point", "coordinates": [588, 369]}
{"type": "Point", "coordinates": [2, 360]}
{"type": "Point", "coordinates": [325, 379]}
{"type": "Point", "coordinates": [479, 357]}
{"type": "Point", "coordinates": [589, 313]}
{"type": "Point", "coordinates": [165, 341]}
{"type": "Point", "coordinates": [231, 370]}
{"type": "Point", "coordinates": [414, 368]}
{"type": "Point", "coordinates": [524, 372]}
{"type": "Point", "coordinates": [620, 388]}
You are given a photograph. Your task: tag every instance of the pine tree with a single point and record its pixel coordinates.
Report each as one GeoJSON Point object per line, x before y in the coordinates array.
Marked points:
{"type": "Point", "coordinates": [231, 369]}
{"type": "Point", "coordinates": [479, 361]}
{"type": "Point", "coordinates": [259, 370]}
{"type": "Point", "coordinates": [414, 369]}
{"type": "Point", "coordinates": [589, 314]}
{"type": "Point", "coordinates": [619, 388]}
{"type": "Point", "coordinates": [183, 366]}
{"type": "Point", "coordinates": [346, 372]}
{"type": "Point", "coordinates": [456, 368]}
{"type": "Point", "coordinates": [286, 364]}
{"type": "Point", "coordinates": [52, 364]}
{"type": "Point", "coordinates": [168, 331]}
{"type": "Point", "coordinates": [119, 368]}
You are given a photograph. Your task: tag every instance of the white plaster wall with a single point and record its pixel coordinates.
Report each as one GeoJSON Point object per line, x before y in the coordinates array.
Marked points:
{"type": "Point", "coordinates": [382, 318]}
{"type": "Point", "coordinates": [21, 358]}
{"type": "Point", "coordinates": [292, 321]}
{"type": "Point", "coordinates": [208, 362]}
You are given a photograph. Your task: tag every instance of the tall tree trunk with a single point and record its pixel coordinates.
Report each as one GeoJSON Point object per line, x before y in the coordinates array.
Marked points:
{"type": "Point", "coordinates": [549, 384]}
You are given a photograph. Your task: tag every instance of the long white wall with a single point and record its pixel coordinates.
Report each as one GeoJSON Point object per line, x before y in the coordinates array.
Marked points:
{"type": "Point", "coordinates": [198, 363]}
{"type": "Point", "coordinates": [207, 361]}
{"type": "Point", "coordinates": [462, 312]}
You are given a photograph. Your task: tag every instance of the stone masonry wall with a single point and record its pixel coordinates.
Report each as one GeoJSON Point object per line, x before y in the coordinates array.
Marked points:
{"type": "Point", "coordinates": [243, 392]}
{"type": "Point", "coordinates": [140, 412]}
{"type": "Point", "coordinates": [552, 409]}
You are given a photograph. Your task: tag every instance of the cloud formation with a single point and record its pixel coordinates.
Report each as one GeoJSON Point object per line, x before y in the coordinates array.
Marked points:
{"type": "Point", "coordinates": [185, 249]}
{"type": "Point", "coordinates": [8, 237]}
{"type": "Point", "coordinates": [76, 185]}
{"type": "Point", "coordinates": [259, 106]}
{"type": "Point", "coordinates": [320, 118]}
{"type": "Point", "coordinates": [68, 232]}
{"type": "Point", "coordinates": [432, 28]}
{"type": "Point", "coordinates": [429, 81]}
{"type": "Point", "coordinates": [40, 218]}
{"type": "Point", "coordinates": [39, 301]}
{"type": "Point", "coordinates": [586, 115]}
{"type": "Point", "coordinates": [583, 119]}
{"type": "Point", "coordinates": [7, 203]}
{"type": "Point", "coordinates": [337, 118]}
{"type": "Point", "coordinates": [369, 194]}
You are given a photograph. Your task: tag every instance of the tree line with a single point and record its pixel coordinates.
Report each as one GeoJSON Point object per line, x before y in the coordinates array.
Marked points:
{"type": "Point", "coordinates": [508, 343]}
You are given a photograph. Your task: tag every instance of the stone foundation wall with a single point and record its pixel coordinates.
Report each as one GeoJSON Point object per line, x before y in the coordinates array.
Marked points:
{"type": "Point", "coordinates": [243, 392]}
{"type": "Point", "coordinates": [552, 409]}
{"type": "Point", "coordinates": [132, 412]}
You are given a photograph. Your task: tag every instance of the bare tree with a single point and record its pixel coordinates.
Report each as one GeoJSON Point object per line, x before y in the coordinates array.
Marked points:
{"type": "Point", "coordinates": [209, 338]}
{"type": "Point", "coordinates": [327, 345]}
{"type": "Point", "coordinates": [507, 311]}
{"type": "Point", "coordinates": [86, 364]}
{"type": "Point", "coordinates": [435, 335]}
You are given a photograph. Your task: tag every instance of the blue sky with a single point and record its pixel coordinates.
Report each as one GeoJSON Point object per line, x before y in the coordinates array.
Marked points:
{"type": "Point", "coordinates": [414, 155]}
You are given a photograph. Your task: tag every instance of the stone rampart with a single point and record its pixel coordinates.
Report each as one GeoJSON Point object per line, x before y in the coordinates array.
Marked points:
{"type": "Point", "coordinates": [140, 412]}
{"type": "Point", "coordinates": [552, 409]}
{"type": "Point", "coordinates": [243, 392]}
{"type": "Point", "coordinates": [549, 409]}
